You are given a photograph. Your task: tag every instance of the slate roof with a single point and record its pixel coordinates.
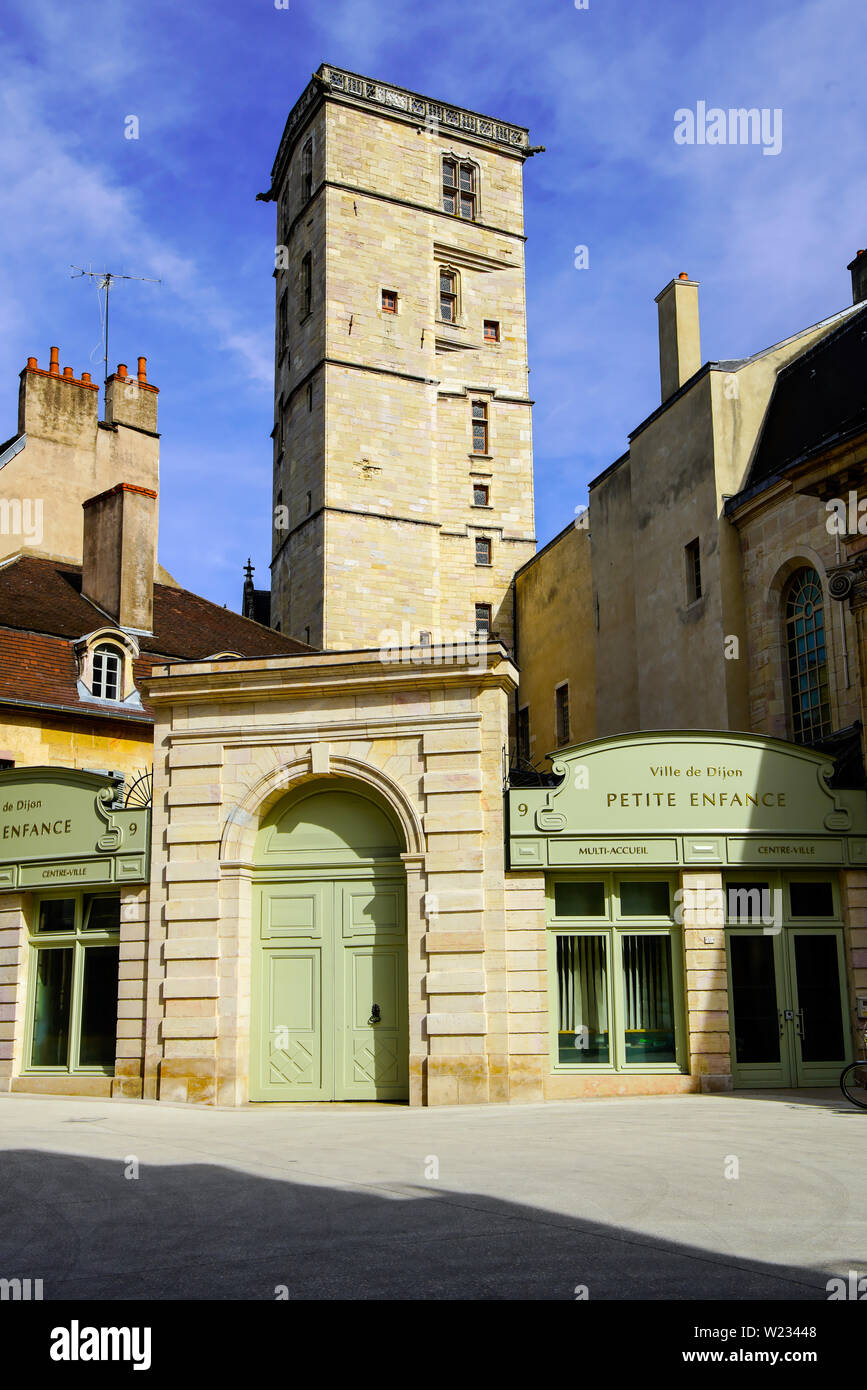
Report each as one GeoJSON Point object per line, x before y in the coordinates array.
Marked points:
{"type": "Point", "coordinates": [818, 400]}
{"type": "Point", "coordinates": [43, 613]}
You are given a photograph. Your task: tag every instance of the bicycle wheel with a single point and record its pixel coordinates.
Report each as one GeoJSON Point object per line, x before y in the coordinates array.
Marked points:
{"type": "Point", "coordinates": [853, 1084]}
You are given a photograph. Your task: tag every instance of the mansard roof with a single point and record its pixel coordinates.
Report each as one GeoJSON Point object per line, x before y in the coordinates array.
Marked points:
{"type": "Point", "coordinates": [819, 399]}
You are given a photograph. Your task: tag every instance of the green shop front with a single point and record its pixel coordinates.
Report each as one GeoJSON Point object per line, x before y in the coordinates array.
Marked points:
{"type": "Point", "coordinates": [705, 918]}
{"type": "Point", "coordinates": [74, 868]}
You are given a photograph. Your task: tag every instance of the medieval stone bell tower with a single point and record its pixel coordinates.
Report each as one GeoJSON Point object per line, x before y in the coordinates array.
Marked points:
{"type": "Point", "coordinates": [403, 473]}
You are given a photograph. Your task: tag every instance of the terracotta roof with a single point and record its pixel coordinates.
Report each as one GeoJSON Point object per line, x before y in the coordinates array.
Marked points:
{"type": "Point", "coordinates": [43, 612]}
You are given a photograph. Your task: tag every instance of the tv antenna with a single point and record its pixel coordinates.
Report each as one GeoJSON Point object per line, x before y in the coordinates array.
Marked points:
{"type": "Point", "coordinates": [106, 279]}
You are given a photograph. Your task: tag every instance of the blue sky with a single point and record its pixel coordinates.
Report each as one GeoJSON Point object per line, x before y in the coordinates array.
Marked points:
{"type": "Point", "coordinates": [212, 83]}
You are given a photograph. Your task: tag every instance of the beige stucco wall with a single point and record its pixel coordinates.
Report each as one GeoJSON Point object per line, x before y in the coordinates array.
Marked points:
{"type": "Point", "coordinates": [556, 640]}
{"type": "Point", "coordinates": [34, 740]}
{"type": "Point", "coordinates": [69, 456]}
{"type": "Point", "coordinates": [682, 465]}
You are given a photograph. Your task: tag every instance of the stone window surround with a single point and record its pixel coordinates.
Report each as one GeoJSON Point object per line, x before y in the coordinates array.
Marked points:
{"type": "Point", "coordinates": [127, 649]}
{"type": "Point", "coordinates": [458, 160]}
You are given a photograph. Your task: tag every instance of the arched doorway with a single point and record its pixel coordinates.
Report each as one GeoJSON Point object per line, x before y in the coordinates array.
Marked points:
{"type": "Point", "coordinates": [329, 979]}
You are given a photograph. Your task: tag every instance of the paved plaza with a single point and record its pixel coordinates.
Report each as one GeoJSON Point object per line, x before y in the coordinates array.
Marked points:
{"type": "Point", "coordinates": [626, 1198]}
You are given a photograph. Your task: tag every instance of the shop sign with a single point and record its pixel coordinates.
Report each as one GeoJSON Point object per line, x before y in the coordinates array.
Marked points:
{"type": "Point", "coordinates": [59, 826]}
{"type": "Point", "coordinates": [696, 797]}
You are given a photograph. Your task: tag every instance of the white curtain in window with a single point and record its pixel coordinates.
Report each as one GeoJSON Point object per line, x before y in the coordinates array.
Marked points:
{"type": "Point", "coordinates": [583, 983]}
{"type": "Point", "coordinates": [647, 982]}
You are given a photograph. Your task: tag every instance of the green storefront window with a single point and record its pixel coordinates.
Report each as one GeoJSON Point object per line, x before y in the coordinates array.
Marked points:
{"type": "Point", "coordinates": [644, 898]}
{"type": "Point", "coordinates": [57, 914]}
{"type": "Point", "coordinates": [748, 903]}
{"type": "Point", "coordinates": [580, 898]}
{"type": "Point", "coordinates": [582, 984]}
{"type": "Point", "coordinates": [811, 898]}
{"type": "Point", "coordinates": [648, 998]}
{"type": "Point", "coordinates": [101, 913]}
{"type": "Point", "coordinates": [74, 998]}
{"type": "Point", "coordinates": [99, 1007]}
{"type": "Point", "coordinates": [52, 1008]}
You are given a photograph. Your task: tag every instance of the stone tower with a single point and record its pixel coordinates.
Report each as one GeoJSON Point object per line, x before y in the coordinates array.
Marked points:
{"type": "Point", "coordinates": [403, 473]}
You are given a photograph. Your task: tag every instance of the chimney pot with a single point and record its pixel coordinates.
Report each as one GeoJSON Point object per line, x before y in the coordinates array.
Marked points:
{"type": "Point", "coordinates": [31, 362]}
{"type": "Point", "coordinates": [131, 401]}
{"type": "Point", "coordinates": [683, 275]}
{"type": "Point", "coordinates": [85, 376]}
{"type": "Point", "coordinates": [68, 372]}
{"type": "Point", "coordinates": [54, 366]}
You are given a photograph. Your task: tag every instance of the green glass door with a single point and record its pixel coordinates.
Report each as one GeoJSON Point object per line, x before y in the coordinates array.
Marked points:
{"type": "Point", "coordinates": [817, 978]}
{"type": "Point", "coordinates": [787, 999]}
{"type": "Point", "coordinates": [330, 1015]}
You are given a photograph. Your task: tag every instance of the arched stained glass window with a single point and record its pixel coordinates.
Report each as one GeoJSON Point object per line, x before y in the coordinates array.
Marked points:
{"type": "Point", "coordinates": [804, 617]}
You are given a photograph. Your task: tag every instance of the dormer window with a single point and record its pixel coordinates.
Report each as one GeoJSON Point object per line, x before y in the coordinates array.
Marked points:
{"type": "Point", "coordinates": [107, 673]}
{"type": "Point", "coordinates": [105, 663]}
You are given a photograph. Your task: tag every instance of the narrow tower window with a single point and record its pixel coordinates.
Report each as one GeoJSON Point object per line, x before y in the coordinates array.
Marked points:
{"type": "Point", "coordinates": [483, 619]}
{"type": "Point", "coordinates": [692, 553]}
{"type": "Point", "coordinates": [283, 324]}
{"type": "Point", "coordinates": [307, 284]}
{"type": "Point", "coordinates": [389, 301]}
{"type": "Point", "coordinates": [448, 296]}
{"type": "Point", "coordinates": [492, 331]}
{"type": "Point", "coordinates": [524, 733]}
{"type": "Point", "coordinates": [561, 696]}
{"type": "Point", "coordinates": [481, 493]}
{"type": "Point", "coordinates": [450, 185]}
{"type": "Point", "coordinates": [483, 550]}
{"type": "Point", "coordinates": [307, 171]}
{"type": "Point", "coordinates": [480, 427]}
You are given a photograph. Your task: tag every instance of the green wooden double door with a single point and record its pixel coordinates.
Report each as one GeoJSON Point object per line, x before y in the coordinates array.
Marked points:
{"type": "Point", "coordinates": [330, 1011]}
{"type": "Point", "coordinates": [787, 991]}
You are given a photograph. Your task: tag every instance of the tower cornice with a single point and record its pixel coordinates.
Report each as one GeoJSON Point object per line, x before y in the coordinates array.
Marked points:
{"type": "Point", "coordinates": [339, 84]}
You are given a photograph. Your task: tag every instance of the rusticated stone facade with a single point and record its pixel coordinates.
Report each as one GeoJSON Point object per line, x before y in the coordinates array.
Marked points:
{"type": "Point", "coordinates": [231, 740]}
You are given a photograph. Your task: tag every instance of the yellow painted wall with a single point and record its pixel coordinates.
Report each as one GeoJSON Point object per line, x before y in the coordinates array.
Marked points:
{"type": "Point", "coordinates": [36, 740]}
{"type": "Point", "coordinates": [556, 640]}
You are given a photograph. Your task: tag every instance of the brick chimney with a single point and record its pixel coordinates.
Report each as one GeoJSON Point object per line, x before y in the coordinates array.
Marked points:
{"type": "Point", "coordinates": [120, 531]}
{"type": "Point", "coordinates": [858, 267]}
{"type": "Point", "coordinates": [131, 400]}
{"type": "Point", "coordinates": [679, 346]}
